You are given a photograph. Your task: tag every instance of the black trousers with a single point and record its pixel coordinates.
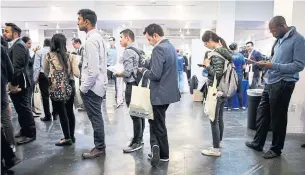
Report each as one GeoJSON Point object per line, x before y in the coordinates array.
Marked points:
{"type": "Point", "coordinates": [110, 77]}
{"type": "Point", "coordinates": [66, 114]}
{"type": "Point", "coordinates": [44, 89]}
{"type": "Point", "coordinates": [239, 92]}
{"type": "Point", "coordinates": [273, 108]}
{"type": "Point", "coordinates": [158, 131]}
{"type": "Point", "coordinates": [138, 123]}
{"type": "Point", "coordinates": [7, 153]}
{"type": "Point", "coordinates": [22, 103]}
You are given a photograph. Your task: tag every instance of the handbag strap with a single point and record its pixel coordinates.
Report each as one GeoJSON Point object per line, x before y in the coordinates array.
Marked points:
{"type": "Point", "coordinates": [53, 66]}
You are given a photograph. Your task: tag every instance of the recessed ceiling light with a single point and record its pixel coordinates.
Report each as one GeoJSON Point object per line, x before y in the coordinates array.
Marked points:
{"type": "Point", "coordinates": [188, 31]}
{"type": "Point", "coordinates": [54, 7]}
{"type": "Point", "coordinates": [179, 6]}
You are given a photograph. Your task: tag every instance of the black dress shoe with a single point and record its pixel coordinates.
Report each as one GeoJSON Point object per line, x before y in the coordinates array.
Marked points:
{"type": "Point", "coordinates": [303, 146]}
{"type": "Point", "coordinates": [72, 138]}
{"type": "Point", "coordinates": [64, 142]}
{"type": "Point", "coordinates": [45, 119]}
{"type": "Point", "coordinates": [270, 155]}
{"type": "Point", "coordinates": [14, 161]}
{"type": "Point", "coordinates": [25, 140]}
{"type": "Point", "coordinates": [254, 146]}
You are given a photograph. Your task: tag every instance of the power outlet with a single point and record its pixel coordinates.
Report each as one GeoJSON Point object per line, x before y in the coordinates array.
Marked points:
{"type": "Point", "coordinates": [293, 108]}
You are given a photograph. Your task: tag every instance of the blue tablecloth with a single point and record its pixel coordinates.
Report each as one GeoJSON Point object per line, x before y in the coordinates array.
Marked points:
{"type": "Point", "coordinates": [235, 102]}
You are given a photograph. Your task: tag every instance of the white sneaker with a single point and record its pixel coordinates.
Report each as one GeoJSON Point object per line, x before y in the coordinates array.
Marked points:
{"type": "Point", "coordinates": [211, 152]}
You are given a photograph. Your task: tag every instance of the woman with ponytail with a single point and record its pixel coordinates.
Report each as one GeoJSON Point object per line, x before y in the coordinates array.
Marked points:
{"type": "Point", "coordinates": [59, 59]}
{"type": "Point", "coordinates": [214, 65]}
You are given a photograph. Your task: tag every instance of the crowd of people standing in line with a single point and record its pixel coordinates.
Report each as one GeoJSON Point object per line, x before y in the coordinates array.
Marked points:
{"type": "Point", "coordinates": [55, 68]}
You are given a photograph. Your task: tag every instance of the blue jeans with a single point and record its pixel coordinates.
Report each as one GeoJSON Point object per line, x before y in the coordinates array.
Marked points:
{"type": "Point", "coordinates": [180, 80]}
{"type": "Point", "coordinates": [93, 106]}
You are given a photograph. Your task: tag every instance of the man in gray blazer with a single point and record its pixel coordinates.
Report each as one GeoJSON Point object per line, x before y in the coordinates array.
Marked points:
{"type": "Point", "coordinates": [162, 74]}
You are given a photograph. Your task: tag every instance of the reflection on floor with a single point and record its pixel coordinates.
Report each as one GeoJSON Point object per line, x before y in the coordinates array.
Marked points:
{"type": "Point", "coordinates": [188, 130]}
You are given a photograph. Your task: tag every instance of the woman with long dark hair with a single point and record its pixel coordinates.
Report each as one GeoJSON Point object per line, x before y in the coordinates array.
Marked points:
{"type": "Point", "coordinates": [59, 60]}
{"type": "Point", "coordinates": [214, 65]}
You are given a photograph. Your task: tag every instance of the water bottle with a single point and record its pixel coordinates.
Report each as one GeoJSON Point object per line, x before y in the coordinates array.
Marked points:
{"type": "Point", "coordinates": [204, 73]}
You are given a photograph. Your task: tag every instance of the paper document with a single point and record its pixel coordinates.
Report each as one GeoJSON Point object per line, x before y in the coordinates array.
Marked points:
{"type": "Point", "coordinates": [116, 68]}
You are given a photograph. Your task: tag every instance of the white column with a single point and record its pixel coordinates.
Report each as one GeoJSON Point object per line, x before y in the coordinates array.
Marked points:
{"type": "Point", "coordinates": [293, 11]}
{"type": "Point", "coordinates": [284, 8]}
{"type": "Point", "coordinates": [41, 37]}
{"type": "Point", "coordinates": [225, 27]}
{"type": "Point", "coordinates": [82, 36]}
{"type": "Point", "coordinates": [119, 49]}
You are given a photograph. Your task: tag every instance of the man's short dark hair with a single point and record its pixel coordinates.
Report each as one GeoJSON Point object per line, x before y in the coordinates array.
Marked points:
{"type": "Point", "coordinates": [154, 28]}
{"type": "Point", "coordinates": [25, 39]}
{"type": "Point", "coordinates": [77, 40]}
{"type": "Point", "coordinates": [14, 27]}
{"type": "Point", "coordinates": [112, 38]}
{"type": "Point", "coordinates": [278, 21]}
{"type": "Point", "coordinates": [88, 14]}
{"type": "Point", "coordinates": [47, 43]}
{"type": "Point", "coordinates": [250, 42]}
{"type": "Point", "coordinates": [128, 33]}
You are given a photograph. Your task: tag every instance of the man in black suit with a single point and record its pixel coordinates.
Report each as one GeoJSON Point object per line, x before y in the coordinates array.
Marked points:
{"type": "Point", "coordinates": [20, 86]}
{"type": "Point", "coordinates": [162, 74]}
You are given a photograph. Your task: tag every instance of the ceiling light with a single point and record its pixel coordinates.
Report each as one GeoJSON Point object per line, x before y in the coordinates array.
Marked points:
{"type": "Point", "coordinates": [152, 2]}
{"type": "Point", "coordinates": [57, 26]}
{"type": "Point", "coordinates": [188, 31]}
{"type": "Point", "coordinates": [74, 35]}
{"type": "Point", "coordinates": [179, 6]}
{"type": "Point", "coordinates": [54, 7]}
{"type": "Point", "coordinates": [180, 30]}
{"type": "Point", "coordinates": [26, 25]}
{"type": "Point", "coordinates": [123, 25]}
{"type": "Point", "coordinates": [181, 35]}
{"type": "Point", "coordinates": [57, 31]}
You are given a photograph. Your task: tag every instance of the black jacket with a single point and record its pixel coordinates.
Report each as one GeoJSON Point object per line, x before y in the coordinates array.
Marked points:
{"type": "Point", "coordinates": [217, 65]}
{"type": "Point", "coordinates": [20, 56]}
{"type": "Point", "coordinates": [6, 76]}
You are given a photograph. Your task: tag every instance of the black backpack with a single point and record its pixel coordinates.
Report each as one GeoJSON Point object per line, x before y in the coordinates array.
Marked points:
{"type": "Point", "coordinates": [138, 75]}
{"type": "Point", "coordinates": [193, 84]}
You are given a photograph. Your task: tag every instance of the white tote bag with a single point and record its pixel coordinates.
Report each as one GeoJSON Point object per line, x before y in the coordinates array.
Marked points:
{"type": "Point", "coordinates": [78, 102]}
{"type": "Point", "coordinates": [211, 101]}
{"type": "Point", "coordinates": [140, 104]}
{"type": "Point", "coordinates": [250, 75]}
{"type": "Point", "coordinates": [37, 100]}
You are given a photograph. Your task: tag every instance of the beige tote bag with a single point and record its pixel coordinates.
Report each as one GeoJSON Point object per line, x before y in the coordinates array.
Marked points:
{"type": "Point", "coordinates": [211, 101]}
{"type": "Point", "coordinates": [37, 100]}
{"type": "Point", "coordinates": [140, 104]}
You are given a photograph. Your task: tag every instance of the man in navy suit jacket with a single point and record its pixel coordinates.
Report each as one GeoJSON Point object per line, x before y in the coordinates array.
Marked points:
{"type": "Point", "coordinates": [162, 74]}
{"type": "Point", "coordinates": [254, 56]}
{"type": "Point", "coordinates": [20, 86]}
